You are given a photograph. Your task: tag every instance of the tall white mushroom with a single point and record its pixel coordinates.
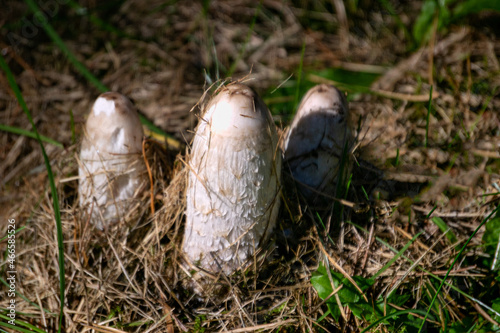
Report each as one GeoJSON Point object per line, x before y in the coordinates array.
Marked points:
{"type": "Point", "coordinates": [234, 181]}
{"type": "Point", "coordinates": [112, 171]}
{"type": "Point", "coordinates": [314, 144]}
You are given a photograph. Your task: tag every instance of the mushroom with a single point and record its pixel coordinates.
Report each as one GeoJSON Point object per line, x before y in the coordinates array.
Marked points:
{"type": "Point", "coordinates": [111, 170]}
{"type": "Point", "coordinates": [234, 181]}
{"type": "Point", "coordinates": [316, 141]}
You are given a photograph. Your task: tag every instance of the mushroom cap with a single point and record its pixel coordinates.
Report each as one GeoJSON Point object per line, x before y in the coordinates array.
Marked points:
{"type": "Point", "coordinates": [113, 125]}
{"type": "Point", "coordinates": [111, 171]}
{"type": "Point", "coordinates": [315, 141]}
{"type": "Point", "coordinates": [233, 183]}
{"type": "Point", "coordinates": [238, 111]}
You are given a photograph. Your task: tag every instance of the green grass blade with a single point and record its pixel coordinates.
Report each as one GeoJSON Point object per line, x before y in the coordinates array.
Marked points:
{"type": "Point", "coordinates": [81, 67]}
{"type": "Point", "coordinates": [60, 44]}
{"type": "Point", "coordinates": [299, 77]}
{"type": "Point", "coordinates": [422, 26]}
{"type": "Point", "coordinates": [245, 43]}
{"type": "Point", "coordinates": [432, 211]}
{"type": "Point", "coordinates": [53, 189]}
{"type": "Point", "coordinates": [445, 229]}
{"type": "Point", "coordinates": [475, 6]}
{"type": "Point", "coordinates": [29, 134]}
{"type": "Point", "coordinates": [17, 231]}
{"type": "Point", "coordinates": [18, 323]}
{"type": "Point", "coordinates": [324, 227]}
{"type": "Point", "coordinates": [26, 299]}
{"type": "Point", "coordinates": [399, 254]}
{"type": "Point", "coordinates": [367, 197]}
{"type": "Point", "coordinates": [341, 76]}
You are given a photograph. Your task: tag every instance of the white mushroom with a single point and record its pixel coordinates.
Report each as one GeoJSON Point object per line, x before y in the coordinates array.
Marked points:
{"type": "Point", "coordinates": [234, 181]}
{"type": "Point", "coordinates": [111, 171]}
{"type": "Point", "coordinates": [314, 144]}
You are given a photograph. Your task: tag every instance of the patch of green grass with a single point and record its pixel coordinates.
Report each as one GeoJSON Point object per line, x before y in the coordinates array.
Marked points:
{"type": "Point", "coordinates": [348, 78]}
{"type": "Point", "coordinates": [432, 288]}
{"type": "Point", "coordinates": [198, 324]}
{"type": "Point", "coordinates": [374, 311]}
{"type": "Point", "coordinates": [447, 12]}
{"type": "Point", "coordinates": [459, 255]}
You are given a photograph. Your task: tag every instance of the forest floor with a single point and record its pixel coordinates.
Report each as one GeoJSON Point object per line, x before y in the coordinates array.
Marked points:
{"type": "Point", "coordinates": [423, 92]}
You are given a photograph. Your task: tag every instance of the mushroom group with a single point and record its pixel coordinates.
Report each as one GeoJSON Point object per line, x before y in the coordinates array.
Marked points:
{"type": "Point", "coordinates": [234, 168]}
{"type": "Point", "coordinates": [111, 169]}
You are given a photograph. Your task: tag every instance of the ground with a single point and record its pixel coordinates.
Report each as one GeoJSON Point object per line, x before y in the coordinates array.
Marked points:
{"type": "Point", "coordinates": [422, 80]}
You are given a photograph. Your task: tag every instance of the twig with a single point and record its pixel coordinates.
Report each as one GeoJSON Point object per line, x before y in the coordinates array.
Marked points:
{"type": "Point", "coordinates": [152, 194]}
{"type": "Point", "coordinates": [407, 235]}
{"type": "Point", "coordinates": [261, 327]}
{"type": "Point", "coordinates": [485, 314]}
{"type": "Point", "coordinates": [450, 214]}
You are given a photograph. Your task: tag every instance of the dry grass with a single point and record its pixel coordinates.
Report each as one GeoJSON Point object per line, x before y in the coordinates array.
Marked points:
{"type": "Point", "coordinates": [133, 280]}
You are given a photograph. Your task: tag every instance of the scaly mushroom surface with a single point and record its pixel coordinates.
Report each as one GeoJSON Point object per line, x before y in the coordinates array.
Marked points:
{"type": "Point", "coordinates": [111, 171]}
{"type": "Point", "coordinates": [234, 181]}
